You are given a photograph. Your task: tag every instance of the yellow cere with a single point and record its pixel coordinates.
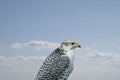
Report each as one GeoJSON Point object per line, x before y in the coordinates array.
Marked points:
{"type": "Point", "coordinates": [75, 44]}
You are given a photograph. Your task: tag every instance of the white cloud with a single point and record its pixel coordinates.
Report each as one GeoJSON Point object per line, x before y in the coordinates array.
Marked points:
{"type": "Point", "coordinates": [36, 45]}
{"type": "Point", "coordinates": [12, 68]}
{"type": "Point", "coordinates": [100, 57]}
{"type": "Point", "coordinates": [2, 58]}
{"type": "Point", "coordinates": [4, 66]}
{"type": "Point", "coordinates": [41, 44]}
{"type": "Point", "coordinates": [18, 59]}
{"type": "Point", "coordinates": [16, 45]}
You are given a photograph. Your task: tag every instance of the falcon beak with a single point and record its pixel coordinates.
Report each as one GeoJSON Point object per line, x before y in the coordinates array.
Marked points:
{"type": "Point", "coordinates": [77, 45]}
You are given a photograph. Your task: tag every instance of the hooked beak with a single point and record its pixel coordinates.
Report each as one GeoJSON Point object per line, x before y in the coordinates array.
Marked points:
{"type": "Point", "coordinates": [79, 46]}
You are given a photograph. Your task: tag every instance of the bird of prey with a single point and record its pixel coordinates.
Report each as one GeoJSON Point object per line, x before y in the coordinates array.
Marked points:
{"type": "Point", "coordinates": [59, 64]}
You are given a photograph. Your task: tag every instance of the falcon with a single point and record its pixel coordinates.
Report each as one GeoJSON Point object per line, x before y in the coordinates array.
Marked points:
{"type": "Point", "coordinates": [60, 63]}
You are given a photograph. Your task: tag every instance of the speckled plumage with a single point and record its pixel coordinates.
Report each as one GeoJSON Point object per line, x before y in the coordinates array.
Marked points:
{"type": "Point", "coordinates": [54, 66]}
{"type": "Point", "coordinates": [57, 66]}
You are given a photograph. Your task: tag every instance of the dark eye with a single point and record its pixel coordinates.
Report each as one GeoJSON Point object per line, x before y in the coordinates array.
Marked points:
{"type": "Point", "coordinates": [72, 43]}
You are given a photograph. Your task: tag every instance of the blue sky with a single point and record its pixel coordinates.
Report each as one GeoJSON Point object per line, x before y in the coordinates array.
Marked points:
{"type": "Point", "coordinates": [95, 24]}
{"type": "Point", "coordinates": [86, 21]}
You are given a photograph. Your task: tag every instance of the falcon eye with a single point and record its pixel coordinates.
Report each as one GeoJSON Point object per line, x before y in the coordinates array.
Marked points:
{"type": "Point", "coordinates": [72, 43]}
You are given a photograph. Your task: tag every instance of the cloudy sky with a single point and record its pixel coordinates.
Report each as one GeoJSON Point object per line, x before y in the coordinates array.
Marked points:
{"type": "Point", "coordinates": [31, 29]}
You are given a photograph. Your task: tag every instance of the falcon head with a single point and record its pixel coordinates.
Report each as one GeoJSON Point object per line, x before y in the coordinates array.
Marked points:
{"type": "Point", "coordinates": [70, 45]}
